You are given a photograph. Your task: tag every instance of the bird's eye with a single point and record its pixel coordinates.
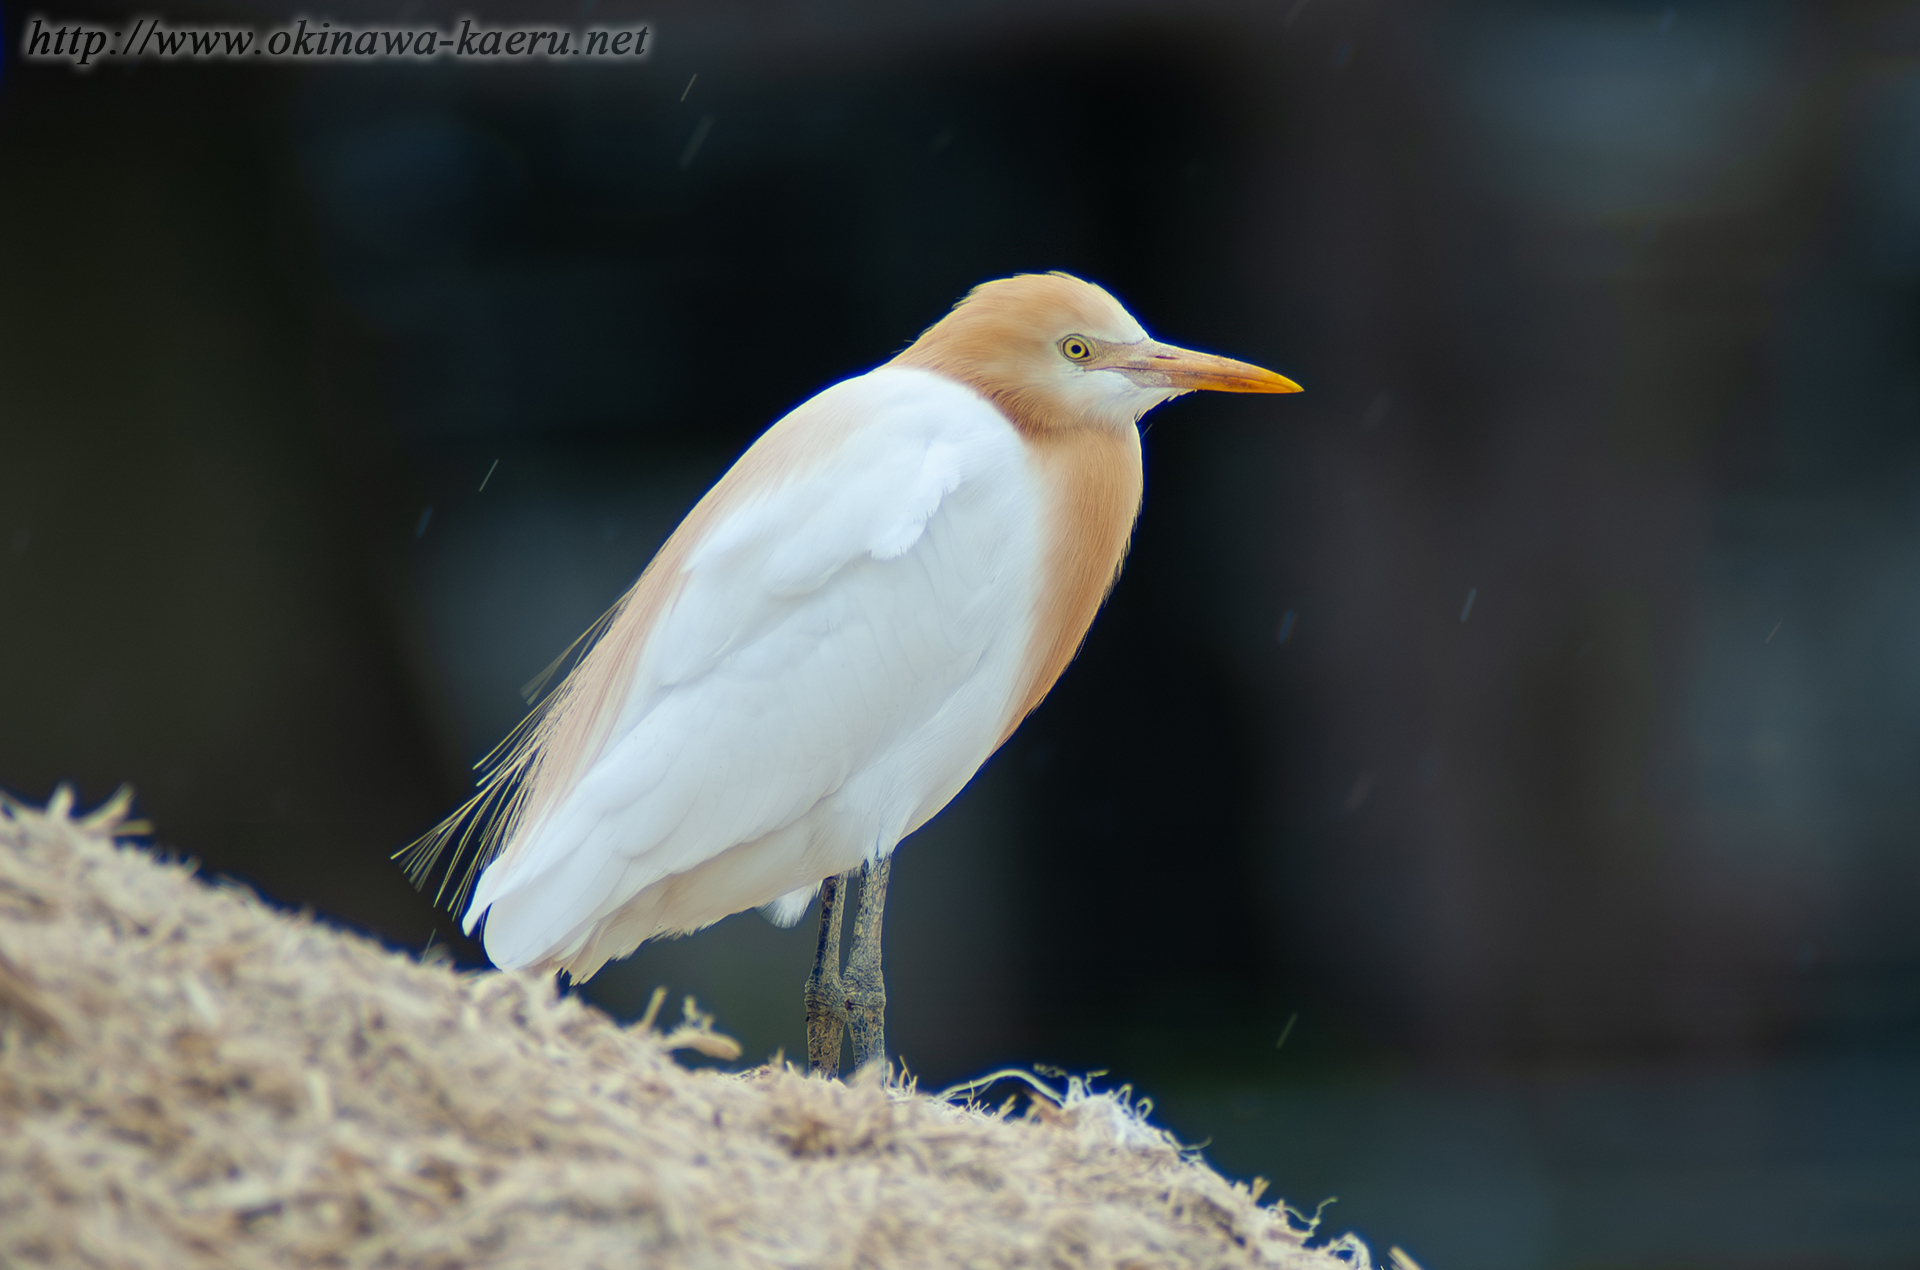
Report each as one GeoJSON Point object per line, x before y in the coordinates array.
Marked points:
{"type": "Point", "coordinates": [1076, 348]}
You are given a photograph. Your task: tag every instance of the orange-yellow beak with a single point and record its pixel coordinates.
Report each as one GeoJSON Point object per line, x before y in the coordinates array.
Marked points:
{"type": "Point", "coordinates": [1164, 366]}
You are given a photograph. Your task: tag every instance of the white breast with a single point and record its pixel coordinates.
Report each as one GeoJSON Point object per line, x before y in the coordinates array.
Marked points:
{"type": "Point", "coordinates": [845, 650]}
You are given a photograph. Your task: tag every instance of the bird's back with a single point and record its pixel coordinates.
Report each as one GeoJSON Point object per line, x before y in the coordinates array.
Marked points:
{"type": "Point", "coordinates": [834, 641]}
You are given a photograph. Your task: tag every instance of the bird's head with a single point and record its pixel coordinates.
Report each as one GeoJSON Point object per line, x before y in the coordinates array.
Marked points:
{"type": "Point", "coordinates": [1053, 351]}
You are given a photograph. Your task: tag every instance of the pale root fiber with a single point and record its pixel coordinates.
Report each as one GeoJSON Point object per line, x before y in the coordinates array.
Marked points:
{"type": "Point", "coordinates": [189, 1078]}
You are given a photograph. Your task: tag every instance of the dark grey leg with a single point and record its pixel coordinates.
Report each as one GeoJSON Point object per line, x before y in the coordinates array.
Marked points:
{"type": "Point", "coordinates": [866, 990]}
{"type": "Point", "coordinates": [826, 997]}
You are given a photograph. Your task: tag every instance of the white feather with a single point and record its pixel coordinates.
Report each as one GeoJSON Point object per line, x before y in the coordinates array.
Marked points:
{"type": "Point", "coordinates": [844, 652]}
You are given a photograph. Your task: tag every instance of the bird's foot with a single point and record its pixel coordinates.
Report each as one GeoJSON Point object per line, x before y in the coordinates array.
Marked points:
{"type": "Point", "coordinates": [826, 1024]}
{"type": "Point", "coordinates": [866, 1015]}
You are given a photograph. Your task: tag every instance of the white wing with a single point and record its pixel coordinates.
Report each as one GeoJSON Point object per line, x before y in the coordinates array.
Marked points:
{"type": "Point", "coordinates": [868, 612]}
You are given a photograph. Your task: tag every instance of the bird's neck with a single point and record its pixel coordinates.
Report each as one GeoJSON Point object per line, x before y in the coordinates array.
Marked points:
{"type": "Point", "coordinates": [1091, 480]}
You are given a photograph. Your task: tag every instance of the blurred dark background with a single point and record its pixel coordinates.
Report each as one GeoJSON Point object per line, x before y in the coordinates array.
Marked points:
{"type": "Point", "coordinates": [1523, 724]}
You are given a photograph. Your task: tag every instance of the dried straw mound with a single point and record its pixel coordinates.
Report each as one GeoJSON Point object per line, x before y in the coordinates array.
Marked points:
{"type": "Point", "coordinates": [191, 1079]}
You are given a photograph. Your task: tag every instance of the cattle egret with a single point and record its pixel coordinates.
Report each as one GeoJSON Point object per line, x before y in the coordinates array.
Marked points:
{"type": "Point", "coordinates": [828, 647]}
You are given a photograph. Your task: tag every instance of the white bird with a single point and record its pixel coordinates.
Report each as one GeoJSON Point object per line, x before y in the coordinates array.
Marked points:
{"type": "Point", "coordinates": [839, 634]}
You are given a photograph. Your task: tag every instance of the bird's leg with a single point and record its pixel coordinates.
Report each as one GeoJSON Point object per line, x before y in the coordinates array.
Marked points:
{"type": "Point", "coordinates": [866, 990]}
{"type": "Point", "coordinates": [826, 998]}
